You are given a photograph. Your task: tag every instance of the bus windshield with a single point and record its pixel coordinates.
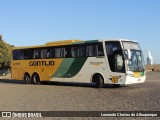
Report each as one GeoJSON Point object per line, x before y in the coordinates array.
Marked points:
{"type": "Point", "coordinates": [136, 62]}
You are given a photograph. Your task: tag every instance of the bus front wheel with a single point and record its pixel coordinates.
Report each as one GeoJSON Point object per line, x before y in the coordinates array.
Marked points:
{"type": "Point", "coordinates": [35, 78]}
{"type": "Point", "coordinates": [116, 85]}
{"type": "Point", "coordinates": [98, 80]}
{"type": "Point", "coordinates": [27, 78]}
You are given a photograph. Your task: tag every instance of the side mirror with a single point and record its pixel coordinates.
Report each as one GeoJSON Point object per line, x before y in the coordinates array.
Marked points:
{"type": "Point", "coordinates": [127, 54]}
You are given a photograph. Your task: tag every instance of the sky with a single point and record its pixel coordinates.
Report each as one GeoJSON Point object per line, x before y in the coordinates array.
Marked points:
{"type": "Point", "coordinates": [35, 22]}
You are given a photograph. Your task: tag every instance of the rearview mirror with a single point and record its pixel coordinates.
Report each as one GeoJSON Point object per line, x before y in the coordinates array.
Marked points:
{"type": "Point", "coordinates": [127, 54]}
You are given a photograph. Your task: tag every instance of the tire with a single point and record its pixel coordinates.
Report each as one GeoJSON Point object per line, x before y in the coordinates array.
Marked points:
{"type": "Point", "coordinates": [98, 80]}
{"type": "Point", "coordinates": [35, 79]}
{"type": "Point", "coordinates": [27, 78]}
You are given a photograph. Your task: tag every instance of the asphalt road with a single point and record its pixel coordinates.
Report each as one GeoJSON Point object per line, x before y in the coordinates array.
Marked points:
{"type": "Point", "coordinates": [17, 96]}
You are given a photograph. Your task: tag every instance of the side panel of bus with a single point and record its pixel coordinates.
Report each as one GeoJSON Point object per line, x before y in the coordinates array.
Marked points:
{"type": "Point", "coordinates": [81, 70]}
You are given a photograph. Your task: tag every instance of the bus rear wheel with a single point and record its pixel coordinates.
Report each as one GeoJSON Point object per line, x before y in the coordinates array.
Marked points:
{"type": "Point", "coordinates": [27, 78]}
{"type": "Point", "coordinates": [35, 78]}
{"type": "Point", "coordinates": [98, 80]}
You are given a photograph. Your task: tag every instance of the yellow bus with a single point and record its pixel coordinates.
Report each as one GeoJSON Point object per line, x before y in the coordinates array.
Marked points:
{"type": "Point", "coordinates": [106, 61]}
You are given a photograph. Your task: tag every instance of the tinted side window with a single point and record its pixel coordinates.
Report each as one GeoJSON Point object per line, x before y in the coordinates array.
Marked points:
{"type": "Point", "coordinates": [99, 50]}
{"type": "Point", "coordinates": [95, 49]}
{"type": "Point", "coordinates": [90, 50]}
{"type": "Point", "coordinates": [112, 46]}
{"type": "Point", "coordinates": [22, 54]}
{"type": "Point", "coordinates": [59, 52]}
{"type": "Point", "coordinates": [16, 54]}
{"type": "Point", "coordinates": [77, 51]}
{"type": "Point", "coordinates": [28, 54]}
{"type": "Point", "coordinates": [68, 51]}
{"type": "Point", "coordinates": [114, 54]}
{"type": "Point", "coordinates": [36, 53]}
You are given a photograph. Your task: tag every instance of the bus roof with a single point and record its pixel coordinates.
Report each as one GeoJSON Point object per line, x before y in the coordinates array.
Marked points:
{"type": "Point", "coordinates": [63, 42]}
{"type": "Point", "coordinates": [70, 42]}
{"type": "Point", "coordinates": [58, 43]}
{"type": "Point", "coordinates": [127, 40]}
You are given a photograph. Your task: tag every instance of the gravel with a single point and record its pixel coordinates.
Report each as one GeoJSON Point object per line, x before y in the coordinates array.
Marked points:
{"type": "Point", "coordinates": [17, 96]}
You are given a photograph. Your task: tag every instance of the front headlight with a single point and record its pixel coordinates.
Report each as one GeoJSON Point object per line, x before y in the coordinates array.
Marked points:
{"type": "Point", "coordinates": [129, 74]}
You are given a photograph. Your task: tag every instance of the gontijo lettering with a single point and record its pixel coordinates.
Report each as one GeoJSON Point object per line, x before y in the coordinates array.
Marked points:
{"type": "Point", "coordinates": [41, 63]}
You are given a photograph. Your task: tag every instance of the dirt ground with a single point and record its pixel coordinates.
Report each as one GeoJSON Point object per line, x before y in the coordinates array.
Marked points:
{"type": "Point", "coordinates": [17, 96]}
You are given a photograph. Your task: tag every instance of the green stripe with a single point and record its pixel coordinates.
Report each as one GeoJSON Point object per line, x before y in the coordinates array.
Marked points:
{"type": "Point", "coordinates": [63, 68]}
{"type": "Point", "coordinates": [89, 41]}
{"type": "Point", "coordinates": [75, 67]}
{"type": "Point", "coordinates": [69, 67]}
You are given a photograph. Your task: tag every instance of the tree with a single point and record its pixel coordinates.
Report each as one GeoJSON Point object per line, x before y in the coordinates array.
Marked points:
{"type": "Point", "coordinates": [0, 37]}
{"type": "Point", "coordinates": [5, 53]}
